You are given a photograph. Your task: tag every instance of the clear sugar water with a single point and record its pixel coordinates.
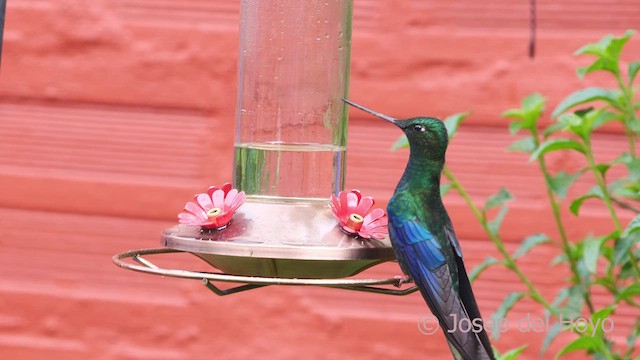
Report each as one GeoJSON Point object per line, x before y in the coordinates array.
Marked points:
{"type": "Point", "coordinates": [289, 171]}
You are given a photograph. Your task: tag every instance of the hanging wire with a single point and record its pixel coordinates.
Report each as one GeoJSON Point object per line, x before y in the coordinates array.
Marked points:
{"type": "Point", "coordinates": [3, 9]}
{"type": "Point", "coordinates": [532, 28]}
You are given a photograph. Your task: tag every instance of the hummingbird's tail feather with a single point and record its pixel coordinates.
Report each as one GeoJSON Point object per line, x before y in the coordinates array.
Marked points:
{"type": "Point", "coordinates": [454, 351]}
{"type": "Point", "coordinates": [458, 316]}
{"type": "Point", "coordinates": [469, 301]}
{"type": "Point", "coordinates": [461, 324]}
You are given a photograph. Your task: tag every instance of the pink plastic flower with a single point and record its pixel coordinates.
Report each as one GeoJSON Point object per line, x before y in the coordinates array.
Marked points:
{"type": "Point", "coordinates": [213, 209]}
{"type": "Point", "coordinates": [355, 216]}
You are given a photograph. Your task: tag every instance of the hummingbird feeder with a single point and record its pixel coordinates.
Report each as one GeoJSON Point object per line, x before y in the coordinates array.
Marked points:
{"type": "Point", "coordinates": [290, 148]}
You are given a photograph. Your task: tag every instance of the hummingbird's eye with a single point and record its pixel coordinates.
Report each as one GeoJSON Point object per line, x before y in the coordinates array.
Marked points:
{"type": "Point", "coordinates": [419, 128]}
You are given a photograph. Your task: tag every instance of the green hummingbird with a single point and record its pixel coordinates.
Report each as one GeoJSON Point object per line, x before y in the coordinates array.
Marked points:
{"type": "Point", "coordinates": [425, 243]}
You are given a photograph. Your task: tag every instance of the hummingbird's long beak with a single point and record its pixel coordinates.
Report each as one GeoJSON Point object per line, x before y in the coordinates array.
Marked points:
{"type": "Point", "coordinates": [382, 116]}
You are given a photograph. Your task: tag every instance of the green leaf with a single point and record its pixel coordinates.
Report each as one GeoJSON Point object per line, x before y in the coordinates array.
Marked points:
{"type": "Point", "coordinates": [514, 114]}
{"type": "Point", "coordinates": [609, 47]}
{"type": "Point", "coordinates": [452, 122]}
{"type": "Point", "coordinates": [634, 125]}
{"type": "Point", "coordinates": [622, 247]}
{"type": "Point", "coordinates": [512, 354]}
{"type": "Point", "coordinates": [529, 243]}
{"type": "Point", "coordinates": [498, 199]}
{"type": "Point", "coordinates": [444, 189]}
{"type": "Point", "coordinates": [552, 129]}
{"type": "Point", "coordinates": [602, 168]}
{"type": "Point", "coordinates": [633, 166]}
{"type": "Point", "coordinates": [533, 104]}
{"type": "Point", "coordinates": [575, 301]}
{"type": "Point", "coordinates": [570, 120]}
{"type": "Point", "coordinates": [526, 145]}
{"type": "Point", "coordinates": [584, 96]}
{"type": "Point", "coordinates": [577, 203]}
{"type": "Point", "coordinates": [634, 225]}
{"type": "Point", "coordinates": [602, 118]}
{"type": "Point", "coordinates": [618, 43]}
{"type": "Point", "coordinates": [562, 181]}
{"type": "Point", "coordinates": [526, 117]}
{"type": "Point", "coordinates": [401, 143]}
{"type": "Point", "coordinates": [593, 193]}
{"type": "Point", "coordinates": [555, 145]}
{"type": "Point", "coordinates": [627, 271]}
{"type": "Point", "coordinates": [501, 313]}
{"type": "Point", "coordinates": [581, 268]}
{"type": "Point", "coordinates": [606, 283]}
{"type": "Point", "coordinates": [560, 298]}
{"type": "Point", "coordinates": [632, 71]}
{"type": "Point", "coordinates": [633, 335]}
{"type": "Point", "coordinates": [607, 51]}
{"type": "Point", "coordinates": [515, 127]}
{"type": "Point", "coordinates": [591, 252]}
{"type": "Point", "coordinates": [629, 292]}
{"type": "Point", "coordinates": [600, 64]}
{"type": "Point", "coordinates": [602, 314]}
{"type": "Point", "coordinates": [494, 225]}
{"type": "Point", "coordinates": [551, 335]}
{"type": "Point", "coordinates": [626, 188]}
{"type": "Point", "coordinates": [586, 343]}
{"type": "Point", "coordinates": [559, 259]}
{"type": "Point", "coordinates": [480, 268]}
{"type": "Point", "coordinates": [583, 122]}
{"type": "Point", "coordinates": [596, 49]}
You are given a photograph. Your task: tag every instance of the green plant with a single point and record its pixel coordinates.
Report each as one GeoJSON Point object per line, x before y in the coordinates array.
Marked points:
{"type": "Point", "coordinates": [607, 260]}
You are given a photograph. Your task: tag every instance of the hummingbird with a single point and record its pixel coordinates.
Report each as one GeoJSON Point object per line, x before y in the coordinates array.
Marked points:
{"type": "Point", "coordinates": [425, 243]}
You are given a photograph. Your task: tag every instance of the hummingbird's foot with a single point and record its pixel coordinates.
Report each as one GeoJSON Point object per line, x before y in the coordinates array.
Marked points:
{"type": "Point", "coordinates": [402, 279]}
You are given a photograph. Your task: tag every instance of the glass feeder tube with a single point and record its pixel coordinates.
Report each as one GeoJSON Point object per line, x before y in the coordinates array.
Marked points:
{"type": "Point", "coordinates": [289, 158]}
{"type": "Point", "coordinates": [291, 121]}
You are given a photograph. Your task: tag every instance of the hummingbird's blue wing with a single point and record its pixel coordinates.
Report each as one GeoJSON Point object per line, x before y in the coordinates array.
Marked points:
{"type": "Point", "coordinates": [435, 270]}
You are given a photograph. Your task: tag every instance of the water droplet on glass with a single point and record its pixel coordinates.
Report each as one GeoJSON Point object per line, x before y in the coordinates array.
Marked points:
{"type": "Point", "coordinates": [326, 35]}
{"type": "Point", "coordinates": [318, 38]}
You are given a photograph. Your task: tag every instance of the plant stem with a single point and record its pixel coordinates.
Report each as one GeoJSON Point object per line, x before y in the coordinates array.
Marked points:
{"type": "Point", "coordinates": [624, 205]}
{"type": "Point", "coordinates": [606, 197]}
{"type": "Point", "coordinates": [509, 262]}
{"type": "Point", "coordinates": [627, 91]}
{"type": "Point", "coordinates": [566, 247]}
{"type": "Point", "coordinates": [605, 351]}
{"type": "Point", "coordinates": [602, 185]}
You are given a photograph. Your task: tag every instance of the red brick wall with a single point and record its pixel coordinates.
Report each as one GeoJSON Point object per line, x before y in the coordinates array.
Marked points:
{"type": "Point", "coordinates": [112, 113]}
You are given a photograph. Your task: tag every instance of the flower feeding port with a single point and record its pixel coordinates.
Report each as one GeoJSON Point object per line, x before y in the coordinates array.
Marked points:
{"type": "Point", "coordinates": [288, 222]}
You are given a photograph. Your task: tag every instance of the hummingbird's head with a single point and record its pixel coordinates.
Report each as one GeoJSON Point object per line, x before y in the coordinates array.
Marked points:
{"type": "Point", "coordinates": [427, 136]}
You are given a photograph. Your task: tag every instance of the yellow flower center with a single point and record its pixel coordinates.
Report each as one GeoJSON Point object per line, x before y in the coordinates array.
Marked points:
{"type": "Point", "coordinates": [214, 213]}
{"type": "Point", "coordinates": [355, 221]}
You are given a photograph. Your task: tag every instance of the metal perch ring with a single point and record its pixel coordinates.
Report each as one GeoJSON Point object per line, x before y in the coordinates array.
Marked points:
{"type": "Point", "coordinates": [252, 282]}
